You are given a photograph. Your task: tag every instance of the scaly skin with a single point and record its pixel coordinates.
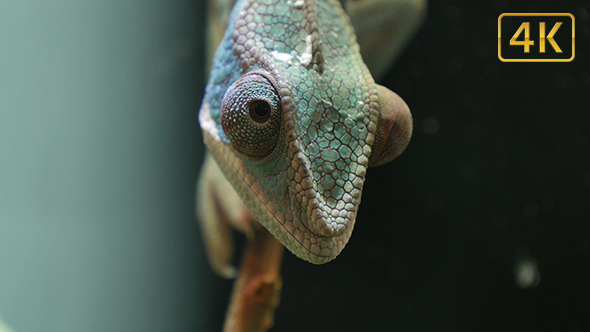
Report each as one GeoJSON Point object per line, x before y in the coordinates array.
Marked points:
{"type": "Point", "coordinates": [293, 118]}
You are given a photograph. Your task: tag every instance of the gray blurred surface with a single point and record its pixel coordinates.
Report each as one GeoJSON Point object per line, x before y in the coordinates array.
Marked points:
{"type": "Point", "coordinates": [99, 151]}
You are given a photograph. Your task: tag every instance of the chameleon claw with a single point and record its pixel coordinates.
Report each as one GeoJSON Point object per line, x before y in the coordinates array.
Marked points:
{"type": "Point", "coordinates": [217, 213]}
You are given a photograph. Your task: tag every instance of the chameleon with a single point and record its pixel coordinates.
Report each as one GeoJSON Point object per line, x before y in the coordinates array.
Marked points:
{"type": "Point", "coordinates": [292, 118]}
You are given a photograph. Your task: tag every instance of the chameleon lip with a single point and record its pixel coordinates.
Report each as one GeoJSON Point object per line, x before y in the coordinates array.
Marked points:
{"type": "Point", "coordinates": [325, 216]}
{"type": "Point", "coordinates": [329, 227]}
{"type": "Point", "coordinates": [331, 222]}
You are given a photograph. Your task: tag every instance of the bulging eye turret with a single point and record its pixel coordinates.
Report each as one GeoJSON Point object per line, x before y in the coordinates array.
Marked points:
{"type": "Point", "coordinates": [394, 128]}
{"type": "Point", "coordinates": [251, 115]}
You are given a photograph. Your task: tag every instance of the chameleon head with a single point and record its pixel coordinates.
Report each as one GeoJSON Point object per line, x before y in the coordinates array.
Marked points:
{"type": "Point", "coordinates": [294, 121]}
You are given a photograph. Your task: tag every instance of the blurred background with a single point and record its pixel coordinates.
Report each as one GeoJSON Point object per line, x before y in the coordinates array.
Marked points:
{"type": "Point", "coordinates": [483, 224]}
{"type": "Point", "coordinates": [99, 151]}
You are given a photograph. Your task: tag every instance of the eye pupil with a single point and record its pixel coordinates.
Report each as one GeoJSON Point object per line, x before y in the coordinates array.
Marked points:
{"type": "Point", "coordinates": [260, 111]}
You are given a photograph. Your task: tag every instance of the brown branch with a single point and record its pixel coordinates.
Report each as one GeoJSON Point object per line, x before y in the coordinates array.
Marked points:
{"type": "Point", "coordinates": [257, 290]}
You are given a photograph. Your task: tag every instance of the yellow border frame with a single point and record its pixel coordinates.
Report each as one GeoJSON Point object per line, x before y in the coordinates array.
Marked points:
{"type": "Point", "coordinates": [537, 60]}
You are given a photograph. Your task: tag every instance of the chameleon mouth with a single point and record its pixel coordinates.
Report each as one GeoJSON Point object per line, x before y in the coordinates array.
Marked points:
{"type": "Point", "coordinates": [332, 222]}
{"type": "Point", "coordinates": [327, 194]}
{"type": "Point", "coordinates": [322, 238]}
{"type": "Point", "coordinates": [327, 216]}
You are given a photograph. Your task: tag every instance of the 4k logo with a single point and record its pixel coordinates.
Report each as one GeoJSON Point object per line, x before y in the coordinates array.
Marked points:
{"type": "Point", "coordinates": [556, 46]}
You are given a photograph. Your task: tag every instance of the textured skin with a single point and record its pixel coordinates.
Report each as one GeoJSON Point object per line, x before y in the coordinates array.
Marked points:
{"type": "Point", "coordinates": [300, 173]}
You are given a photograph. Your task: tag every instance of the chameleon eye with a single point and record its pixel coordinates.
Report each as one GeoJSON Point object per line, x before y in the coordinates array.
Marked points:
{"type": "Point", "coordinates": [259, 111]}
{"type": "Point", "coordinates": [251, 115]}
{"type": "Point", "coordinates": [394, 128]}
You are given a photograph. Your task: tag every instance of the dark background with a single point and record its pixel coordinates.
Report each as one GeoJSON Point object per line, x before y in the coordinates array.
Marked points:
{"type": "Point", "coordinates": [497, 173]}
